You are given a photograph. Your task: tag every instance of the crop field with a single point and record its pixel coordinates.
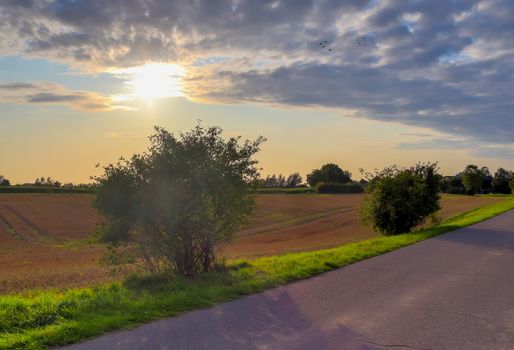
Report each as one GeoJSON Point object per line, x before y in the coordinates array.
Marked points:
{"type": "Point", "coordinates": [43, 237]}
{"type": "Point", "coordinates": [290, 223]}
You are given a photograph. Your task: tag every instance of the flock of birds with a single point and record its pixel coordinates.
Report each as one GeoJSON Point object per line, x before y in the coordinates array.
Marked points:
{"type": "Point", "coordinates": [324, 45]}
{"type": "Point", "coordinates": [361, 41]}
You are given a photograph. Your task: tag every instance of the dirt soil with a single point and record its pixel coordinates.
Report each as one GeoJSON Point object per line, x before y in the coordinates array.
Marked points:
{"type": "Point", "coordinates": [289, 223]}
{"type": "Point", "coordinates": [44, 237]}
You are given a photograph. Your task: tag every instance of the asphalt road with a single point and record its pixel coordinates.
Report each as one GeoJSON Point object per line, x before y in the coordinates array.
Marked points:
{"type": "Point", "coordinates": [455, 291]}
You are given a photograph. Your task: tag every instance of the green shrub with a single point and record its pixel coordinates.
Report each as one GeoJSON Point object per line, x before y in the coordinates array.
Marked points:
{"type": "Point", "coordinates": [501, 181]}
{"type": "Point", "coordinates": [172, 206]}
{"type": "Point", "coordinates": [331, 187]}
{"type": "Point", "coordinates": [400, 199]}
{"type": "Point", "coordinates": [473, 179]}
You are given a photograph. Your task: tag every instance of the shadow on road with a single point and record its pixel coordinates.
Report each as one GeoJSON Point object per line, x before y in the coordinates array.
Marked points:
{"type": "Point", "coordinates": [482, 238]}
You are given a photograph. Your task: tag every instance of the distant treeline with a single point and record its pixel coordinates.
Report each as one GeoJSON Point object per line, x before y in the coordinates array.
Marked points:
{"type": "Point", "coordinates": [285, 190]}
{"type": "Point", "coordinates": [45, 185]}
{"type": "Point", "coordinates": [45, 189]}
{"type": "Point", "coordinates": [476, 180]}
{"type": "Point", "coordinates": [280, 181]}
{"type": "Point", "coordinates": [330, 178]}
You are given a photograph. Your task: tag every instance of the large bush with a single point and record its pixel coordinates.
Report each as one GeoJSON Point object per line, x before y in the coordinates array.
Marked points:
{"type": "Point", "coordinates": [399, 199]}
{"type": "Point", "coordinates": [331, 187]}
{"type": "Point", "coordinates": [475, 179]}
{"type": "Point", "coordinates": [172, 205]}
{"type": "Point", "coordinates": [329, 173]}
{"type": "Point", "coordinates": [452, 184]}
{"type": "Point", "coordinates": [501, 181]}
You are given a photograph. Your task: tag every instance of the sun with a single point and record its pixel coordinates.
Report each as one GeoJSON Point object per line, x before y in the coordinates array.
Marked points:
{"type": "Point", "coordinates": [154, 80]}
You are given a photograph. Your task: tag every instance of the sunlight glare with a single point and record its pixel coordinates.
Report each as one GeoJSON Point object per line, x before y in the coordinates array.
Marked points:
{"type": "Point", "coordinates": [154, 80]}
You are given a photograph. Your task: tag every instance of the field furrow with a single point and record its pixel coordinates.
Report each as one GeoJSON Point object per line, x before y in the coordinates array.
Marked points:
{"type": "Point", "coordinates": [36, 231]}
{"type": "Point", "coordinates": [7, 233]}
{"type": "Point", "coordinates": [43, 236]}
{"type": "Point", "coordinates": [18, 226]}
{"type": "Point", "coordinates": [292, 222]}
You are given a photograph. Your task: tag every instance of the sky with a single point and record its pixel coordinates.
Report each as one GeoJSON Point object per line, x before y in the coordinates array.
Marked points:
{"type": "Point", "coordinates": [363, 84]}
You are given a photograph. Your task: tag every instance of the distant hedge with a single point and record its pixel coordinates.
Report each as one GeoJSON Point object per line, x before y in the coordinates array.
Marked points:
{"type": "Point", "coordinates": [44, 189]}
{"type": "Point", "coordinates": [331, 187]}
{"type": "Point", "coordinates": [285, 190]}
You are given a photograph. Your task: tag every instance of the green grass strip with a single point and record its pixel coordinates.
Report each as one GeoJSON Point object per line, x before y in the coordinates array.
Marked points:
{"type": "Point", "coordinates": [51, 318]}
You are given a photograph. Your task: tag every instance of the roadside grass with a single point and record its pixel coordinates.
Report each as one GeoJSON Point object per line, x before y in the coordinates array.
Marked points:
{"type": "Point", "coordinates": [40, 319]}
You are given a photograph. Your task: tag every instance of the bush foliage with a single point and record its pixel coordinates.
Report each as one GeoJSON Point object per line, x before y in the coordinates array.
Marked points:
{"type": "Point", "coordinates": [502, 181]}
{"type": "Point", "coordinates": [329, 173]}
{"type": "Point", "coordinates": [331, 187]}
{"type": "Point", "coordinates": [400, 199]}
{"type": "Point", "coordinates": [172, 205]}
{"type": "Point", "coordinates": [473, 179]}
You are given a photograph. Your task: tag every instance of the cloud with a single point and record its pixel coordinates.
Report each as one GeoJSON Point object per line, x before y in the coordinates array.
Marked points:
{"type": "Point", "coordinates": [415, 134]}
{"type": "Point", "coordinates": [436, 143]}
{"type": "Point", "coordinates": [373, 93]}
{"type": "Point", "coordinates": [42, 92]}
{"type": "Point", "coordinates": [444, 65]}
{"type": "Point", "coordinates": [479, 149]}
{"type": "Point", "coordinates": [500, 152]}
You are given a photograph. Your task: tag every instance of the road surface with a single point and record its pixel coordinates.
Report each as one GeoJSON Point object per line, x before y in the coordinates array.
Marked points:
{"type": "Point", "coordinates": [455, 291]}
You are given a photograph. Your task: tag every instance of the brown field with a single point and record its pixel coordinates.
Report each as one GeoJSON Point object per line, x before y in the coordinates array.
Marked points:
{"type": "Point", "coordinates": [43, 238]}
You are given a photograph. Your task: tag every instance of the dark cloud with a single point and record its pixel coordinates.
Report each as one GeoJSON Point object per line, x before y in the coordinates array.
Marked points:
{"type": "Point", "coordinates": [49, 97]}
{"type": "Point", "coordinates": [374, 93]}
{"type": "Point", "coordinates": [445, 65]}
{"type": "Point", "coordinates": [42, 92]}
{"type": "Point", "coordinates": [17, 86]}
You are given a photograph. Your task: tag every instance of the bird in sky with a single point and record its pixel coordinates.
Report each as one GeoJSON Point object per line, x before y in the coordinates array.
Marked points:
{"type": "Point", "coordinates": [363, 40]}
{"type": "Point", "coordinates": [324, 45]}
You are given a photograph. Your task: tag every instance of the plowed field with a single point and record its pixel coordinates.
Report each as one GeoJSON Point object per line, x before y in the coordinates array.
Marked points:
{"type": "Point", "coordinates": [43, 238]}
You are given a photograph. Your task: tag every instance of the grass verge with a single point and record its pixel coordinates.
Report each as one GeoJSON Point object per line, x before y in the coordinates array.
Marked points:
{"type": "Point", "coordinates": [41, 319]}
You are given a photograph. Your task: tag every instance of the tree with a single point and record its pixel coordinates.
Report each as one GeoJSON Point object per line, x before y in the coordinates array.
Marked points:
{"type": "Point", "coordinates": [330, 173]}
{"type": "Point", "coordinates": [172, 205]}
{"type": "Point", "coordinates": [501, 181]}
{"type": "Point", "coordinates": [281, 181]}
{"type": "Point", "coordinates": [473, 178]}
{"type": "Point", "coordinates": [49, 182]}
{"type": "Point", "coordinates": [399, 199]}
{"type": "Point", "coordinates": [294, 180]}
{"type": "Point", "coordinates": [452, 184]}
{"type": "Point", "coordinates": [271, 181]}
{"type": "Point", "coordinates": [487, 181]}
{"type": "Point", "coordinates": [4, 181]}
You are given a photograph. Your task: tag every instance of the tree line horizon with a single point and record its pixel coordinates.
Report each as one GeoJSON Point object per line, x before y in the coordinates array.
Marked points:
{"type": "Point", "coordinates": [471, 180]}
